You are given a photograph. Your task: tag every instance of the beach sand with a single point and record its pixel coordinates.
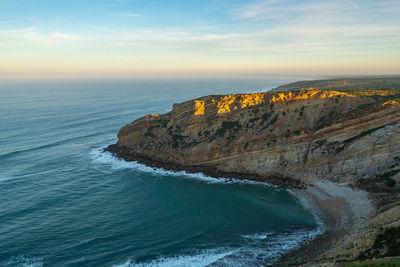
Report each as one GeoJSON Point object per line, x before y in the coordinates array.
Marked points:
{"type": "Point", "coordinates": [341, 210]}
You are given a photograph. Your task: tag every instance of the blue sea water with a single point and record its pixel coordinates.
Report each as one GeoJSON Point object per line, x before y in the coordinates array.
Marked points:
{"type": "Point", "coordinates": [65, 203]}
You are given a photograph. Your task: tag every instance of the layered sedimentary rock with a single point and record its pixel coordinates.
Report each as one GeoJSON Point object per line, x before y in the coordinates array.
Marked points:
{"type": "Point", "coordinates": [290, 138]}
{"type": "Point", "coordinates": [342, 136]}
{"type": "Point", "coordinates": [378, 238]}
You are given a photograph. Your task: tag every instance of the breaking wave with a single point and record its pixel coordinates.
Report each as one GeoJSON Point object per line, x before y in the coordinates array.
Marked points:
{"type": "Point", "coordinates": [22, 261]}
{"type": "Point", "coordinates": [257, 250]}
{"type": "Point", "coordinates": [107, 158]}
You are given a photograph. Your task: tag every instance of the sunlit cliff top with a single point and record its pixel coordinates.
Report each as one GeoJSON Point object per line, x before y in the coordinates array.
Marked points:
{"type": "Point", "coordinates": [228, 103]}
{"type": "Point", "coordinates": [338, 84]}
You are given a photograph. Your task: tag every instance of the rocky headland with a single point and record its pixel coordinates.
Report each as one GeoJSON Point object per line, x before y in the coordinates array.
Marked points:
{"type": "Point", "coordinates": [339, 149]}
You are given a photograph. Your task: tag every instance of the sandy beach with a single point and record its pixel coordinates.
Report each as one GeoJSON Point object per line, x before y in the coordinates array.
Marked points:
{"type": "Point", "coordinates": [341, 210]}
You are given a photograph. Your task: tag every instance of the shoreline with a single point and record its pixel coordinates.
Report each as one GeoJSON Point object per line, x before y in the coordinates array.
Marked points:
{"type": "Point", "coordinates": [279, 180]}
{"type": "Point", "coordinates": [338, 208]}
{"type": "Point", "coordinates": [341, 209]}
{"type": "Point", "coordinates": [321, 146]}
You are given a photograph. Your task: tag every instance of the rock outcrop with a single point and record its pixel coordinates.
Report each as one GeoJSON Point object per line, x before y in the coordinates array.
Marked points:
{"type": "Point", "coordinates": [293, 138]}
{"type": "Point", "coordinates": [287, 137]}
{"type": "Point", "coordinates": [373, 242]}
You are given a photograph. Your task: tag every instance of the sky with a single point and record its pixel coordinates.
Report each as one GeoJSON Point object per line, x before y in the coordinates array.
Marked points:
{"type": "Point", "coordinates": [136, 38]}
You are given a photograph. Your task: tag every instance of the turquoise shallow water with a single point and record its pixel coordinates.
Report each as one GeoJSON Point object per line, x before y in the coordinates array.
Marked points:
{"type": "Point", "coordinates": [65, 203]}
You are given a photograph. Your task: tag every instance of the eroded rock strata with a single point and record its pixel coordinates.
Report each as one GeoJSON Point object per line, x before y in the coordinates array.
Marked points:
{"type": "Point", "coordinates": [290, 138]}
{"type": "Point", "coordinates": [334, 135]}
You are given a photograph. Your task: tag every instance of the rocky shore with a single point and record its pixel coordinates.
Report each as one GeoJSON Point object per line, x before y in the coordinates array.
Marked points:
{"type": "Point", "coordinates": [207, 170]}
{"type": "Point", "coordinates": [343, 211]}
{"type": "Point", "coordinates": [337, 150]}
{"type": "Point", "coordinates": [358, 228]}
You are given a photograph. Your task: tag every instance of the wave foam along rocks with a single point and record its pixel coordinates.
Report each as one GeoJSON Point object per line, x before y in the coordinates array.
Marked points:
{"type": "Point", "coordinates": [203, 259]}
{"type": "Point", "coordinates": [276, 245]}
{"type": "Point", "coordinates": [98, 156]}
{"type": "Point", "coordinates": [262, 251]}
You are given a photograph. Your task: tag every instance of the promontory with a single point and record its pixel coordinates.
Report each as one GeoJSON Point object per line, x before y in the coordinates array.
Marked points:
{"type": "Point", "coordinates": [306, 136]}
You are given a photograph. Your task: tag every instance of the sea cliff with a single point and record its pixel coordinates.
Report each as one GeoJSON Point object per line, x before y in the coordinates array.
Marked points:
{"type": "Point", "coordinates": [295, 138]}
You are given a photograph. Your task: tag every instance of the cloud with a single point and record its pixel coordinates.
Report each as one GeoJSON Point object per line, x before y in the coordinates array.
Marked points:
{"type": "Point", "coordinates": [353, 4]}
{"type": "Point", "coordinates": [282, 39]}
{"type": "Point", "coordinates": [301, 38]}
{"type": "Point", "coordinates": [33, 36]}
{"type": "Point", "coordinates": [262, 33]}
{"type": "Point", "coordinates": [317, 11]}
{"type": "Point", "coordinates": [128, 14]}
{"type": "Point", "coordinates": [264, 26]}
{"type": "Point", "coordinates": [261, 10]}
{"type": "Point", "coordinates": [65, 36]}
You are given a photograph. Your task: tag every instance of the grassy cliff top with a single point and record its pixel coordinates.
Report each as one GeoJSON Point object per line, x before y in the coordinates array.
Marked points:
{"type": "Point", "coordinates": [383, 82]}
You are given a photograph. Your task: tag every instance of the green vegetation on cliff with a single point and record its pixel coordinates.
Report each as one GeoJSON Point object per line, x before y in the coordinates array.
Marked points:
{"type": "Point", "coordinates": [350, 136]}
{"type": "Point", "coordinates": [376, 263]}
{"type": "Point", "coordinates": [351, 83]}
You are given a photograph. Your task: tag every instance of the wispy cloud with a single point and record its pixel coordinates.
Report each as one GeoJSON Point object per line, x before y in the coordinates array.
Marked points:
{"type": "Point", "coordinates": [282, 39]}
{"type": "Point", "coordinates": [311, 38]}
{"type": "Point", "coordinates": [353, 4]}
{"type": "Point", "coordinates": [260, 10]}
{"type": "Point", "coordinates": [127, 14]}
{"type": "Point", "coordinates": [259, 33]}
{"type": "Point", "coordinates": [335, 11]}
{"type": "Point", "coordinates": [32, 35]}
{"type": "Point", "coordinates": [65, 36]}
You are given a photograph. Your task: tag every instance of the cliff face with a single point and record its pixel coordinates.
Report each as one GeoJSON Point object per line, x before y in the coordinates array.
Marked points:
{"type": "Point", "coordinates": [337, 135]}
{"type": "Point", "coordinates": [290, 138]}
{"type": "Point", "coordinates": [378, 238]}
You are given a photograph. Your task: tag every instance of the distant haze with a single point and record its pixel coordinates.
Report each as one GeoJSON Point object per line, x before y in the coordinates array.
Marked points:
{"type": "Point", "coordinates": [138, 38]}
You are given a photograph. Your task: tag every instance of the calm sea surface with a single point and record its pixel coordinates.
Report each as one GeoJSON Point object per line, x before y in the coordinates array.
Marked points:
{"type": "Point", "coordinates": [65, 203]}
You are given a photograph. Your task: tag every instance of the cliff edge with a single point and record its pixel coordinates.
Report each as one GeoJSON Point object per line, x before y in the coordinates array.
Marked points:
{"type": "Point", "coordinates": [292, 138]}
{"type": "Point", "coordinates": [275, 137]}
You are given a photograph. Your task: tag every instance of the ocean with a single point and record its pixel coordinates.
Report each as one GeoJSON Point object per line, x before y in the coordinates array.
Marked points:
{"type": "Point", "coordinates": [63, 202]}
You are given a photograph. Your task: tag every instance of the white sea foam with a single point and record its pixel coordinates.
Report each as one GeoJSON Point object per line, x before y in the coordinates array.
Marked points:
{"type": "Point", "coordinates": [284, 243]}
{"type": "Point", "coordinates": [22, 261]}
{"type": "Point", "coordinates": [258, 249]}
{"type": "Point", "coordinates": [261, 236]}
{"type": "Point", "coordinates": [309, 205]}
{"type": "Point", "coordinates": [106, 158]}
{"type": "Point", "coordinates": [203, 259]}
{"type": "Point", "coordinates": [263, 249]}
